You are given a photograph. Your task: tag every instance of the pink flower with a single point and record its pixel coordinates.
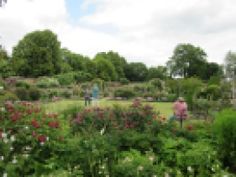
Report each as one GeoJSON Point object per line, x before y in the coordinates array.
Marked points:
{"type": "Point", "coordinates": [35, 124]}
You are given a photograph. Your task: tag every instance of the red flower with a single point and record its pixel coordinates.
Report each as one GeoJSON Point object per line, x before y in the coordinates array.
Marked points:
{"type": "Point", "coordinates": [189, 127]}
{"type": "Point", "coordinates": [35, 124]}
{"type": "Point", "coordinates": [53, 124]}
{"type": "Point", "coordinates": [15, 116]}
{"type": "Point", "coordinates": [42, 138]}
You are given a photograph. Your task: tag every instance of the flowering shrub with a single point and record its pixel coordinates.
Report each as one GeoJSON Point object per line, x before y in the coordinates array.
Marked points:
{"type": "Point", "coordinates": [26, 131]}
{"type": "Point", "coordinates": [137, 116]}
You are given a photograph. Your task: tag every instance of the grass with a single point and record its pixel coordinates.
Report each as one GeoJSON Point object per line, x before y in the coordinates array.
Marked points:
{"type": "Point", "coordinates": [59, 106]}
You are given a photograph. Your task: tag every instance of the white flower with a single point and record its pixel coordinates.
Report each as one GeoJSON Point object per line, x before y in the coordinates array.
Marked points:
{"type": "Point", "coordinates": [189, 169]}
{"type": "Point", "coordinates": [1, 157]}
{"type": "Point", "coordinates": [2, 109]}
{"type": "Point", "coordinates": [42, 143]}
{"type": "Point", "coordinates": [26, 155]}
{"type": "Point", "coordinates": [140, 168]}
{"type": "Point", "coordinates": [26, 127]}
{"type": "Point", "coordinates": [47, 138]}
{"type": "Point", "coordinates": [28, 148]}
{"type": "Point", "coordinates": [12, 138]}
{"type": "Point", "coordinates": [11, 148]}
{"type": "Point", "coordinates": [5, 140]}
{"type": "Point", "coordinates": [14, 160]}
{"type": "Point", "coordinates": [4, 174]}
{"type": "Point", "coordinates": [102, 131]}
{"type": "Point", "coordinates": [151, 158]}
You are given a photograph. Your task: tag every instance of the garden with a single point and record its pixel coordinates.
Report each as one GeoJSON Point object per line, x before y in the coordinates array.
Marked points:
{"type": "Point", "coordinates": [47, 131]}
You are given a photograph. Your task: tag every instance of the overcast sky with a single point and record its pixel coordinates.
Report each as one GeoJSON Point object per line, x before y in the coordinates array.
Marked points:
{"type": "Point", "coordinates": [140, 30]}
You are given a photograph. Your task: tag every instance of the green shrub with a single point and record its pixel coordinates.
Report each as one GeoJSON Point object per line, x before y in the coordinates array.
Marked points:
{"type": "Point", "coordinates": [225, 128]}
{"type": "Point", "coordinates": [124, 93]}
{"type": "Point", "coordinates": [22, 94]}
{"type": "Point", "coordinates": [124, 81]}
{"type": "Point", "coordinates": [83, 77]}
{"type": "Point", "coordinates": [34, 94]}
{"type": "Point", "coordinates": [22, 84]}
{"type": "Point", "coordinates": [7, 96]}
{"type": "Point", "coordinates": [66, 79]}
{"type": "Point", "coordinates": [47, 82]}
{"type": "Point", "coordinates": [66, 94]}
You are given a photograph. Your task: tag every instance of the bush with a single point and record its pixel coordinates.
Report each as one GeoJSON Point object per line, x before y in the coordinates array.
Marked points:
{"type": "Point", "coordinates": [83, 77]}
{"type": "Point", "coordinates": [66, 94]}
{"type": "Point", "coordinates": [124, 93]}
{"type": "Point", "coordinates": [47, 82]}
{"type": "Point", "coordinates": [22, 84]}
{"type": "Point", "coordinates": [124, 81]}
{"type": "Point", "coordinates": [225, 128]}
{"type": "Point", "coordinates": [66, 79]}
{"type": "Point", "coordinates": [22, 94]}
{"type": "Point", "coordinates": [34, 94]}
{"type": "Point", "coordinates": [7, 96]}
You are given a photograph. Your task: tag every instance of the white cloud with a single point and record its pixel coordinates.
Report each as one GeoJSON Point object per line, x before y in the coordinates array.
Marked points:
{"type": "Point", "coordinates": [141, 30]}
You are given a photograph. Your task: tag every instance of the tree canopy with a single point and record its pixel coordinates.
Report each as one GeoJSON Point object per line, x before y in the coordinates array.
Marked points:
{"type": "Point", "coordinates": [37, 54]}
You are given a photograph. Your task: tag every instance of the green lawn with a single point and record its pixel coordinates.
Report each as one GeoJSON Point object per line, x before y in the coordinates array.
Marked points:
{"type": "Point", "coordinates": [164, 108]}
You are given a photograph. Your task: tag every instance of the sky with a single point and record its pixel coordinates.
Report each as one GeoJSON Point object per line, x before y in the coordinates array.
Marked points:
{"type": "Point", "coordinates": [140, 30]}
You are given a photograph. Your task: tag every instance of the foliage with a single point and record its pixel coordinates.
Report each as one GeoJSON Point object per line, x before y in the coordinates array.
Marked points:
{"type": "Point", "coordinates": [22, 84]}
{"type": "Point", "coordinates": [37, 54]}
{"type": "Point", "coordinates": [126, 93]}
{"type": "Point", "coordinates": [34, 94]}
{"type": "Point", "coordinates": [118, 62]}
{"type": "Point", "coordinates": [105, 69]}
{"type": "Point", "coordinates": [225, 128]}
{"type": "Point", "coordinates": [66, 79]}
{"type": "Point", "coordinates": [27, 139]}
{"type": "Point", "coordinates": [136, 72]}
{"type": "Point", "coordinates": [7, 96]}
{"type": "Point", "coordinates": [83, 77]}
{"type": "Point", "coordinates": [47, 82]}
{"type": "Point", "coordinates": [124, 81]}
{"type": "Point", "coordinates": [159, 72]}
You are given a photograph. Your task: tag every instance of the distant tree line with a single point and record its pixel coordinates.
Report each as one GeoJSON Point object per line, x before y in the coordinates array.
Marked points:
{"type": "Point", "coordinates": [39, 53]}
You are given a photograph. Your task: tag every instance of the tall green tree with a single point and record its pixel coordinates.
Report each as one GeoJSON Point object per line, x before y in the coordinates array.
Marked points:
{"type": "Point", "coordinates": [118, 62]}
{"type": "Point", "coordinates": [188, 61]}
{"type": "Point", "coordinates": [104, 69]}
{"type": "Point", "coordinates": [136, 71]}
{"type": "Point", "coordinates": [37, 54]}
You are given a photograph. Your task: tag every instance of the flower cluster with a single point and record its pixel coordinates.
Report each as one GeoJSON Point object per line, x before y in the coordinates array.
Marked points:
{"type": "Point", "coordinates": [136, 116]}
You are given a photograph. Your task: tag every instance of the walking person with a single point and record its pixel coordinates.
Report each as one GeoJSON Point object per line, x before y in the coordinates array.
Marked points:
{"type": "Point", "coordinates": [180, 110]}
{"type": "Point", "coordinates": [87, 97]}
{"type": "Point", "coordinates": [95, 94]}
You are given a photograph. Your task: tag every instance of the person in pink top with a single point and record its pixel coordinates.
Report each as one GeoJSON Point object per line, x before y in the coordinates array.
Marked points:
{"type": "Point", "coordinates": [180, 110]}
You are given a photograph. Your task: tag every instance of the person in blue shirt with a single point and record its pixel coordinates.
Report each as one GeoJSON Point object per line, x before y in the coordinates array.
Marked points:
{"type": "Point", "coordinates": [95, 94]}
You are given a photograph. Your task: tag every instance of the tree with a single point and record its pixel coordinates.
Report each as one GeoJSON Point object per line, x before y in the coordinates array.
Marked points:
{"type": "Point", "coordinates": [5, 68]}
{"type": "Point", "coordinates": [76, 61]}
{"type": "Point", "coordinates": [105, 69]}
{"type": "Point", "coordinates": [157, 72]}
{"type": "Point", "coordinates": [213, 70]}
{"type": "Point", "coordinates": [188, 61]}
{"type": "Point", "coordinates": [136, 72]}
{"type": "Point", "coordinates": [230, 64]}
{"type": "Point", "coordinates": [118, 62]}
{"type": "Point", "coordinates": [37, 54]}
